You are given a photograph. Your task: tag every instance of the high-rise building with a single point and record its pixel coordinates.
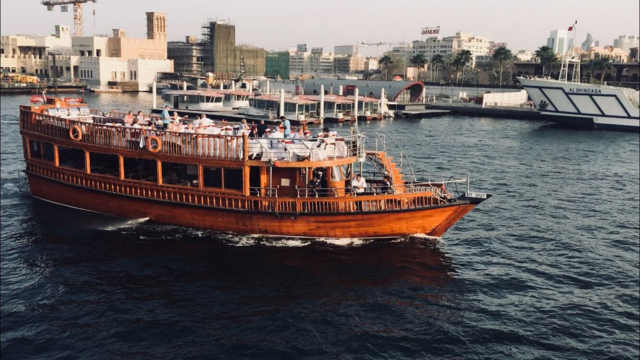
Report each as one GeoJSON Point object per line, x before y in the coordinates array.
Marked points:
{"type": "Point", "coordinates": [277, 64]}
{"type": "Point", "coordinates": [559, 41]}
{"type": "Point", "coordinates": [589, 43]}
{"type": "Point", "coordinates": [345, 50]}
{"type": "Point", "coordinates": [222, 42]}
{"type": "Point", "coordinates": [625, 42]}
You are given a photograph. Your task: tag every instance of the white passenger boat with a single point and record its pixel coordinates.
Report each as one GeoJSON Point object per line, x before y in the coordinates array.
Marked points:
{"type": "Point", "coordinates": [580, 104]}
{"type": "Point", "coordinates": [206, 100]}
{"type": "Point", "coordinates": [235, 99]}
{"type": "Point", "coordinates": [585, 105]}
{"type": "Point", "coordinates": [295, 108]}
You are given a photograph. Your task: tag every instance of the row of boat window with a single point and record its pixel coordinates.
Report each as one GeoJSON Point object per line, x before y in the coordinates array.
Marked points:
{"type": "Point", "coordinates": [139, 169]}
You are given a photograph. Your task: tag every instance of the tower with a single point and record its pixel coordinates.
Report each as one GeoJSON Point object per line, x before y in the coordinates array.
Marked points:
{"type": "Point", "coordinates": [156, 26]}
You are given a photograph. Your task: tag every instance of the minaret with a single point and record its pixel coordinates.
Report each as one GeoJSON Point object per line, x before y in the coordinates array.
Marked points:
{"type": "Point", "coordinates": [157, 26]}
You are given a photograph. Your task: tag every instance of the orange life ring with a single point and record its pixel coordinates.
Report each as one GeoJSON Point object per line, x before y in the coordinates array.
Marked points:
{"type": "Point", "coordinates": [153, 144]}
{"type": "Point", "coordinates": [75, 133]}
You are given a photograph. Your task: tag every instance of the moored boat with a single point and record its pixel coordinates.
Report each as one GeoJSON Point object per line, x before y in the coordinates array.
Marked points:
{"type": "Point", "coordinates": [231, 182]}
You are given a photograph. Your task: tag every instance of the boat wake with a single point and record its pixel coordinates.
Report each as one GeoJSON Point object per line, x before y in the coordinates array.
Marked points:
{"type": "Point", "coordinates": [124, 224]}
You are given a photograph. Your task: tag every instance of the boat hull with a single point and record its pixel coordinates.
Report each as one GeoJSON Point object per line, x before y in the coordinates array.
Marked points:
{"type": "Point", "coordinates": [433, 221]}
{"type": "Point", "coordinates": [583, 105]}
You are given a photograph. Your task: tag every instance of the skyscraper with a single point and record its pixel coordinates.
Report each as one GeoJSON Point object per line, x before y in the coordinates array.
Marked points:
{"type": "Point", "coordinates": [559, 41]}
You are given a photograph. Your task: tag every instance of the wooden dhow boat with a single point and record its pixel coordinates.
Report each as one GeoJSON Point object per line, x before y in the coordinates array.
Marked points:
{"type": "Point", "coordinates": [228, 181]}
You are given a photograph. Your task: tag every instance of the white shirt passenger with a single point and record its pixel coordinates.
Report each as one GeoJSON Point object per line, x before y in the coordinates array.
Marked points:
{"type": "Point", "coordinates": [358, 185]}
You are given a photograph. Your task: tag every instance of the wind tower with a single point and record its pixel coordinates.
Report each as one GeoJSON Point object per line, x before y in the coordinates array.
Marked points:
{"type": "Point", "coordinates": [78, 20]}
{"type": "Point", "coordinates": [157, 26]}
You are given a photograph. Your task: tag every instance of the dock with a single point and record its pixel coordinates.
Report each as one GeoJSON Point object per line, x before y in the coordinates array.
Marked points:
{"type": "Point", "coordinates": [232, 116]}
{"type": "Point", "coordinates": [426, 113]}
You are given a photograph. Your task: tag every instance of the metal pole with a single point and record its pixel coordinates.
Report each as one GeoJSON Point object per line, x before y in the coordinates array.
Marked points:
{"type": "Point", "coordinates": [355, 108]}
{"type": "Point", "coordinates": [267, 88]}
{"type": "Point", "coordinates": [281, 101]}
{"type": "Point", "coordinates": [321, 102]}
{"type": "Point", "coordinates": [154, 91]}
{"type": "Point", "coordinates": [184, 85]}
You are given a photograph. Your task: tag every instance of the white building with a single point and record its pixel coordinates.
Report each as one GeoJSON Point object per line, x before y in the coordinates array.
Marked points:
{"type": "Point", "coordinates": [560, 41]}
{"type": "Point", "coordinates": [477, 45]}
{"type": "Point", "coordinates": [299, 62]}
{"type": "Point", "coordinates": [371, 63]}
{"type": "Point", "coordinates": [321, 62]}
{"type": "Point", "coordinates": [96, 60]}
{"type": "Point", "coordinates": [525, 55]}
{"type": "Point", "coordinates": [625, 42]}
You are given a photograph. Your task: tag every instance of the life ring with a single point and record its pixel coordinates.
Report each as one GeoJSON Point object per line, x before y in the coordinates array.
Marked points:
{"type": "Point", "coordinates": [75, 133]}
{"type": "Point", "coordinates": [153, 144]}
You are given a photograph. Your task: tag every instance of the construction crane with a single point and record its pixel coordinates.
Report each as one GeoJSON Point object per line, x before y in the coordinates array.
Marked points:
{"type": "Point", "coordinates": [77, 12]}
{"type": "Point", "coordinates": [377, 45]}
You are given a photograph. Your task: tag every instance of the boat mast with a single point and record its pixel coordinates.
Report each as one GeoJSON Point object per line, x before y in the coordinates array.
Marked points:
{"type": "Point", "coordinates": [571, 57]}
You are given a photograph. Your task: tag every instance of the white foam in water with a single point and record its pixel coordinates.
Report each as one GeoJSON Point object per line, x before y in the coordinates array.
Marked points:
{"type": "Point", "coordinates": [345, 241]}
{"type": "Point", "coordinates": [125, 224]}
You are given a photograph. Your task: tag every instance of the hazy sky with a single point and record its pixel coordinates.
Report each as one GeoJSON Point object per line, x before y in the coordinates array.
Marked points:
{"type": "Point", "coordinates": [277, 24]}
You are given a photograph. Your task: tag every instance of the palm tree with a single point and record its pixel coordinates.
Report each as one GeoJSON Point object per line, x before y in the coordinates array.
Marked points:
{"type": "Point", "coordinates": [437, 61]}
{"type": "Point", "coordinates": [386, 61]}
{"type": "Point", "coordinates": [604, 63]}
{"type": "Point", "coordinates": [501, 55]}
{"type": "Point", "coordinates": [418, 60]}
{"type": "Point", "coordinates": [463, 57]}
{"type": "Point", "coordinates": [547, 58]}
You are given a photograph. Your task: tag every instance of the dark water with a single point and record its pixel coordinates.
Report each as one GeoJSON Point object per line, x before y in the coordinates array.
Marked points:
{"type": "Point", "coordinates": [548, 268]}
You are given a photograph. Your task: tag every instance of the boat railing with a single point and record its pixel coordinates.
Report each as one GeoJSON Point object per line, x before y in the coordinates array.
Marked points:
{"type": "Point", "coordinates": [93, 132]}
{"type": "Point", "coordinates": [442, 190]}
{"type": "Point", "coordinates": [279, 206]}
{"type": "Point", "coordinates": [109, 132]}
{"type": "Point", "coordinates": [389, 145]}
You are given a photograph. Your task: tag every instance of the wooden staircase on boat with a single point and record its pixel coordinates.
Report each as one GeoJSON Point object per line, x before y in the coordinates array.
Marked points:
{"type": "Point", "coordinates": [386, 162]}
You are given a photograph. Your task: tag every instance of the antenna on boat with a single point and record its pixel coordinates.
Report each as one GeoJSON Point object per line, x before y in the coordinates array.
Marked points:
{"type": "Point", "coordinates": [570, 56]}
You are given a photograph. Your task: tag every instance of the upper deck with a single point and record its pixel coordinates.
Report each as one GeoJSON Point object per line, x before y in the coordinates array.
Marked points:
{"type": "Point", "coordinates": [84, 127]}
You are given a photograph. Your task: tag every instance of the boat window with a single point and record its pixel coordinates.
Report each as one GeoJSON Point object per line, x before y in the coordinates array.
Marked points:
{"type": "Point", "coordinates": [140, 169]}
{"type": "Point", "coordinates": [194, 99]}
{"type": "Point", "coordinates": [336, 173]}
{"type": "Point", "coordinates": [47, 151]}
{"type": "Point", "coordinates": [36, 149]}
{"type": "Point", "coordinates": [71, 158]}
{"type": "Point", "coordinates": [179, 174]}
{"type": "Point", "coordinates": [212, 177]}
{"type": "Point", "coordinates": [312, 108]}
{"type": "Point", "coordinates": [329, 106]}
{"type": "Point", "coordinates": [233, 179]}
{"type": "Point", "coordinates": [84, 111]}
{"type": "Point", "coordinates": [290, 107]}
{"type": "Point", "coordinates": [104, 164]}
{"type": "Point", "coordinates": [227, 97]}
{"type": "Point", "coordinates": [204, 99]}
{"type": "Point", "coordinates": [218, 99]}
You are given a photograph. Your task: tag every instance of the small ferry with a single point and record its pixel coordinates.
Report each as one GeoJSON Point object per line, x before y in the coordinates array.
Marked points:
{"type": "Point", "coordinates": [296, 108]}
{"type": "Point", "coordinates": [206, 100]}
{"type": "Point", "coordinates": [230, 181]}
{"type": "Point", "coordinates": [368, 108]}
{"type": "Point", "coordinates": [577, 104]}
{"type": "Point", "coordinates": [337, 108]}
{"type": "Point", "coordinates": [235, 99]}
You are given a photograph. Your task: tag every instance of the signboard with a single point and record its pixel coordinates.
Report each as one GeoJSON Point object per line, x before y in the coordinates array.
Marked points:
{"type": "Point", "coordinates": [431, 30]}
{"type": "Point", "coordinates": [494, 45]}
{"type": "Point", "coordinates": [302, 48]}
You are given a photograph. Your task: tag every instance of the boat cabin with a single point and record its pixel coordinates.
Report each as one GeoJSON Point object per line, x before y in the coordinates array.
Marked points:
{"type": "Point", "coordinates": [235, 99]}
{"type": "Point", "coordinates": [368, 108]}
{"type": "Point", "coordinates": [194, 100]}
{"type": "Point", "coordinates": [336, 108]}
{"type": "Point", "coordinates": [295, 108]}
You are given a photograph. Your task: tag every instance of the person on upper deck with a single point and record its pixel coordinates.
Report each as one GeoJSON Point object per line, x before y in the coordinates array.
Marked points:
{"type": "Point", "coordinates": [262, 128]}
{"type": "Point", "coordinates": [128, 119]}
{"type": "Point", "coordinates": [326, 132]}
{"type": "Point", "coordinates": [205, 121]}
{"type": "Point", "coordinates": [254, 132]}
{"type": "Point", "coordinates": [166, 118]}
{"type": "Point", "coordinates": [140, 116]}
{"type": "Point", "coordinates": [386, 187]}
{"type": "Point", "coordinates": [244, 125]}
{"type": "Point", "coordinates": [358, 184]}
{"type": "Point", "coordinates": [287, 126]}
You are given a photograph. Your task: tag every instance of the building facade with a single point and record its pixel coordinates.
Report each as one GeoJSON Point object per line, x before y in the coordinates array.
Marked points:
{"type": "Point", "coordinates": [625, 42]}
{"type": "Point", "coordinates": [477, 45]}
{"type": "Point", "coordinates": [559, 41]}
{"type": "Point", "coordinates": [190, 57]}
{"type": "Point", "coordinates": [277, 65]}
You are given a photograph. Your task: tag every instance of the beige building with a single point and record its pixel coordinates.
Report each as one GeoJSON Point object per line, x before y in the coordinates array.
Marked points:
{"type": "Point", "coordinates": [348, 64]}
{"type": "Point", "coordinates": [96, 60]}
{"type": "Point", "coordinates": [618, 55]}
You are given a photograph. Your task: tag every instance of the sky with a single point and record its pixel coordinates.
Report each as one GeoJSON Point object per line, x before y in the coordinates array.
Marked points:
{"type": "Point", "coordinates": [277, 24]}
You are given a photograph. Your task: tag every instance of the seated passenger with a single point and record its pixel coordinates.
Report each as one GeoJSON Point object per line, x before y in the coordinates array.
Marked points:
{"type": "Point", "coordinates": [386, 187]}
{"type": "Point", "coordinates": [128, 119]}
{"type": "Point", "coordinates": [358, 184]}
{"type": "Point", "coordinates": [254, 132]}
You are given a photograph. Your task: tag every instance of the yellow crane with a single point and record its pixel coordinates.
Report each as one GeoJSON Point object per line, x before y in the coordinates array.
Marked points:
{"type": "Point", "coordinates": [78, 20]}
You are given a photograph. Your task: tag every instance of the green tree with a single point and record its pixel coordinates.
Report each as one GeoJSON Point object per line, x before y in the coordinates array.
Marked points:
{"type": "Point", "coordinates": [463, 57]}
{"type": "Point", "coordinates": [604, 63]}
{"type": "Point", "coordinates": [386, 61]}
{"type": "Point", "coordinates": [418, 60]}
{"type": "Point", "coordinates": [501, 55]}
{"type": "Point", "coordinates": [438, 62]}
{"type": "Point", "coordinates": [547, 57]}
